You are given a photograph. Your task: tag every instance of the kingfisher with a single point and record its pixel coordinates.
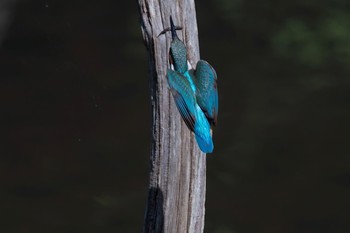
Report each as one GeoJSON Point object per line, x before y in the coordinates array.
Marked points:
{"type": "Point", "coordinates": [194, 91]}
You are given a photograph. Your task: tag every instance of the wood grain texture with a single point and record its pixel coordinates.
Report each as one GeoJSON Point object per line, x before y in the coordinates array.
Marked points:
{"type": "Point", "coordinates": [177, 167]}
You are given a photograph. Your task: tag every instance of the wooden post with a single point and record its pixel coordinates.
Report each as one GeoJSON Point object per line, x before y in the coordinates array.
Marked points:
{"type": "Point", "coordinates": [177, 167]}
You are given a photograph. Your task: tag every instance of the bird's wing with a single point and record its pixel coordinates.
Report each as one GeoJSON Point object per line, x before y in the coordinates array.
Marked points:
{"type": "Point", "coordinates": [184, 97]}
{"type": "Point", "coordinates": [207, 92]}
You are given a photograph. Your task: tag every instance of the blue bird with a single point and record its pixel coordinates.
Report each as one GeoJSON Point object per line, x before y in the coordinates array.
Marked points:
{"type": "Point", "coordinates": [194, 91]}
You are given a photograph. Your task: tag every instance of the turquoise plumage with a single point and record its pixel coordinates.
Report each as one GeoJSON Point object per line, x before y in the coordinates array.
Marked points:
{"type": "Point", "coordinates": [194, 91]}
{"type": "Point", "coordinates": [190, 111]}
{"type": "Point", "coordinates": [207, 91]}
{"type": "Point", "coordinates": [178, 53]}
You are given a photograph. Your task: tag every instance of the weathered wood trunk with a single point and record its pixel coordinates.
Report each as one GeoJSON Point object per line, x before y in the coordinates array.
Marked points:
{"type": "Point", "coordinates": [178, 169]}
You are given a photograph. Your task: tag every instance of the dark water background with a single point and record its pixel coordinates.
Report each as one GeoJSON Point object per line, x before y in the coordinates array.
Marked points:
{"type": "Point", "coordinates": [75, 116]}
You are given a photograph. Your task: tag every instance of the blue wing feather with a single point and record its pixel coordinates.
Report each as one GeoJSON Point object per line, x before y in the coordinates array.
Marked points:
{"type": "Point", "coordinates": [190, 111]}
{"type": "Point", "coordinates": [207, 92]}
{"type": "Point", "coordinates": [184, 97]}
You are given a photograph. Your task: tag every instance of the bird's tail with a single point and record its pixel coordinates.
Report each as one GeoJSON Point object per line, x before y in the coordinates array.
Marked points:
{"type": "Point", "coordinates": [202, 132]}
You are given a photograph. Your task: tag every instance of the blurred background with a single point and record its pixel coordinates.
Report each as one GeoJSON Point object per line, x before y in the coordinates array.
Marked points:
{"type": "Point", "coordinates": [75, 116]}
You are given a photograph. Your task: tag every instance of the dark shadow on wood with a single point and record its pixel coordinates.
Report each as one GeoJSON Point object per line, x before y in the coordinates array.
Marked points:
{"type": "Point", "coordinates": [154, 216]}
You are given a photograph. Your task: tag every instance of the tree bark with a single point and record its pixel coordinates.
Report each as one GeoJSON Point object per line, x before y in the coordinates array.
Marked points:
{"type": "Point", "coordinates": [177, 167]}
